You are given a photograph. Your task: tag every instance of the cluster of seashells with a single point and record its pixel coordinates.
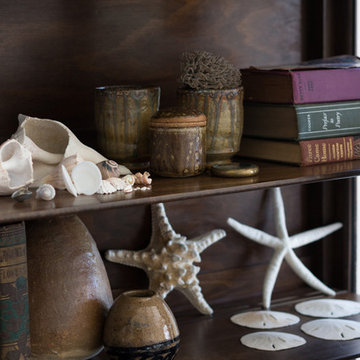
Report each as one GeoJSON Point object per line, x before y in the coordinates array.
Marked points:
{"type": "Point", "coordinates": [46, 155]}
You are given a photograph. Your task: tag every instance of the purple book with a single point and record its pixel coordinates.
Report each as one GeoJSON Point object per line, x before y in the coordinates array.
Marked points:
{"type": "Point", "coordinates": [304, 83]}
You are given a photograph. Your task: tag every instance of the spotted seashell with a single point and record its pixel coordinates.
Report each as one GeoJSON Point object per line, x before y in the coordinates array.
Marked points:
{"type": "Point", "coordinates": [21, 194]}
{"type": "Point", "coordinates": [109, 169]}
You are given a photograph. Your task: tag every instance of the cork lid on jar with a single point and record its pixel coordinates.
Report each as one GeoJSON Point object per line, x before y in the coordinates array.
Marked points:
{"type": "Point", "coordinates": [178, 117]}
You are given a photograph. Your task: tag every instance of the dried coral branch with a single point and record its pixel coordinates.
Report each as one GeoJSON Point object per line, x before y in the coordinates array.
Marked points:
{"type": "Point", "coordinates": [203, 70]}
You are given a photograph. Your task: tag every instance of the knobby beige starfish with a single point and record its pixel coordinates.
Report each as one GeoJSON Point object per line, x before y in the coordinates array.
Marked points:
{"type": "Point", "coordinates": [168, 259]}
{"type": "Point", "coordinates": [283, 246]}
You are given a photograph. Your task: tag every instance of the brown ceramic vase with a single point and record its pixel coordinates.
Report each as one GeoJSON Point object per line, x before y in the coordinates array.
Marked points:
{"type": "Point", "coordinates": [122, 116]}
{"type": "Point", "coordinates": [69, 291]}
{"type": "Point", "coordinates": [140, 325]}
{"type": "Point", "coordinates": [225, 118]}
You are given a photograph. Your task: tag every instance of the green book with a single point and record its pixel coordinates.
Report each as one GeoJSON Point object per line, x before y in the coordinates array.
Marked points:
{"type": "Point", "coordinates": [302, 122]}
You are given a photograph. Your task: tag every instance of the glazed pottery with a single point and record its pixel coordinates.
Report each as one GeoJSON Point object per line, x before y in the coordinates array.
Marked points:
{"type": "Point", "coordinates": [178, 147]}
{"type": "Point", "coordinates": [140, 325]}
{"type": "Point", "coordinates": [225, 117]}
{"type": "Point", "coordinates": [122, 116]}
{"type": "Point", "coordinates": [69, 291]}
{"type": "Point", "coordinates": [14, 306]}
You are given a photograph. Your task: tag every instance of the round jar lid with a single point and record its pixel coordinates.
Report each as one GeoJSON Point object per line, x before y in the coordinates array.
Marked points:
{"type": "Point", "coordinates": [178, 118]}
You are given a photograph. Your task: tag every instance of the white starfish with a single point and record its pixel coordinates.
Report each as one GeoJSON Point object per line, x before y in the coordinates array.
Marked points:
{"type": "Point", "coordinates": [168, 259]}
{"type": "Point", "coordinates": [283, 246]}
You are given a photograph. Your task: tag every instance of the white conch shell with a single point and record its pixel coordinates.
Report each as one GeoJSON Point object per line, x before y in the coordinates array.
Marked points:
{"type": "Point", "coordinates": [86, 177]}
{"type": "Point", "coordinates": [328, 308]}
{"type": "Point", "coordinates": [45, 192]}
{"type": "Point", "coordinates": [106, 188]}
{"type": "Point", "coordinates": [16, 170]}
{"type": "Point", "coordinates": [332, 329]}
{"type": "Point", "coordinates": [56, 177]}
{"type": "Point", "coordinates": [49, 142]}
{"type": "Point", "coordinates": [272, 340]}
{"type": "Point", "coordinates": [264, 319]}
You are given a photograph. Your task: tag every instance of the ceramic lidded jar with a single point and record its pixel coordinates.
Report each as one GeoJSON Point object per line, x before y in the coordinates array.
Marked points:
{"type": "Point", "coordinates": [140, 325]}
{"type": "Point", "coordinates": [178, 143]}
{"type": "Point", "coordinates": [225, 119]}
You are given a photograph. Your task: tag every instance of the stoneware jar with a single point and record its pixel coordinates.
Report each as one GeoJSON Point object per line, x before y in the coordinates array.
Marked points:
{"type": "Point", "coordinates": [122, 116]}
{"type": "Point", "coordinates": [140, 325]}
{"type": "Point", "coordinates": [178, 143]}
{"type": "Point", "coordinates": [69, 291]}
{"type": "Point", "coordinates": [225, 118]}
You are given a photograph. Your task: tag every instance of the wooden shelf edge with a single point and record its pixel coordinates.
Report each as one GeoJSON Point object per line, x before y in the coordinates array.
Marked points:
{"type": "Point", "coordinates": [172, 189]}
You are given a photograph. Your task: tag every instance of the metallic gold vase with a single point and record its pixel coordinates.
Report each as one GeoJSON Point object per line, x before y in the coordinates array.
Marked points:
{"type": "Point", "coordinates": [122, 116]}
{"type": "Point", "coordinates": [225, 118]}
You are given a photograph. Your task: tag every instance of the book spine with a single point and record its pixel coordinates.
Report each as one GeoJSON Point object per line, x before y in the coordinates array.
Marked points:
{"type": "Point", "coordinates": [328, 120]}
{"type": "Point", "coordinates": [325, 85]}
{"type": "Point", "coordinates": [14, 306]}
{"type": "Point", "coordinates": [320, 151]}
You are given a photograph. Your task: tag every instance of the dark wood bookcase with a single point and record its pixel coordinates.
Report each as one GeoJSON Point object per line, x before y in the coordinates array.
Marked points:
{"type": "Point", "coordinates": [53, 55]}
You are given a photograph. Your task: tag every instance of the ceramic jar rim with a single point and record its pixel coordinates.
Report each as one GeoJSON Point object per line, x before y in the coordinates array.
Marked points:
{"type": "Point", "coordinates": [140, 294]}
{"type": "Point", "coordinates": [210, 91]}
{"type": "Point", "coordinates": [124, 88]}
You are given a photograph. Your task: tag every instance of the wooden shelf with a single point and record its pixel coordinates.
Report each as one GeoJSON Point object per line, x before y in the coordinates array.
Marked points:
{"type": "Point", "coordinates": [169, 189]}
{"type": "Point", "coordinates": [216, 337]}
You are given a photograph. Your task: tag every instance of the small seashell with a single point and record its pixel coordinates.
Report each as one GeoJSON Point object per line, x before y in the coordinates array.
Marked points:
{"type": "Point", "coordinates": [106, 188]}
{"type": "Point", "coordinates": [272, 340]}
{"type": "Point", "coordinates": [86, 177]}
{"type": "Point", "coordinates": [117, 183]}
{"type": "Point", "coordinates": [332, 329]}
{"type": "Point", "coordinates": [143, 179]}
{"type": "Point", "coordinates": [109, 169]}
{"type": "Point", "coordinates": [45, 192]}
{"type": "Point", "coordinates": [328, 308]}
{"type": "Point", "coordinates": [21, 194]}
{"type": "Point", "coordinates": [129, 179]}
{"type": "Point", "coordinates": [264, 319]}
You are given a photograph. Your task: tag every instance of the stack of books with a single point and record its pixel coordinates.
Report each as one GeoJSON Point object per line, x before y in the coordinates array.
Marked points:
{"type": "Point", "coordinates": [304, 114]}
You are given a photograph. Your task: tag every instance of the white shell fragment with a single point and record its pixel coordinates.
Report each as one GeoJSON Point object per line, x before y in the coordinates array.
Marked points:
{"type": "Point", "coordinates": [68, 182]}
{"type": "Point", "coordinates": [272, 340]}
{"type": "Point", "coordinates": [45, 192]}
{"type": "Point", "coordinates": [56, 178]}
{"type": "Point", "coordinates": [328, 308]}
{"type": "Point", "coordinates": [86, 177]}
{"type": "Point", "coordinates": [332, 329]}
{"type": "Point", "coordinates": [264, 319]}
{"type": "Point", "coordinates": [106, 188]}
{"type": "Point", "coordinates": [16, 170]}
